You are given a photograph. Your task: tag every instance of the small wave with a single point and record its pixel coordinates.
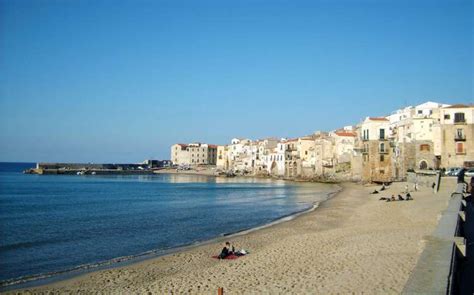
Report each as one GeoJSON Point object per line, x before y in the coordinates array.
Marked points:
{"type": "Point", "coordinates": [31, 244]}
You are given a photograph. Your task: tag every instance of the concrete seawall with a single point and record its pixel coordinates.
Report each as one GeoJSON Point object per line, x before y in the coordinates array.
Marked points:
{"type": "Point", "coordinates": [440, 267]}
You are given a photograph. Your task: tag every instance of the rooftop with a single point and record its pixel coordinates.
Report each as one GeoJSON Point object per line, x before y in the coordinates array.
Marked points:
{"type": "Point", "coordinates": [378, 119]}
{"type": "Point", "coordinates": [459, 106]}
{"type": "Point", "coordinates": [345, 133]}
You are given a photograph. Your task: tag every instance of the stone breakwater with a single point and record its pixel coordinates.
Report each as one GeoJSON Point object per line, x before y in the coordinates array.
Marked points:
{"type": "Point", "coordinates": [90, 169]}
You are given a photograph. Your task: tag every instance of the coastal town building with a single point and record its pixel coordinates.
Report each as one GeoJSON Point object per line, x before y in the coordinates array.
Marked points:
{"type": "Point", "coordinates": [193, 154]}
{"type": "Point", "coordinates": [222, 161]}
{"type": "Point", "coordinates": [456, 135]}
{"type": "Point", "coordinates": [427, 136]}
{"type": "Point", "coordinates": [376, 150]}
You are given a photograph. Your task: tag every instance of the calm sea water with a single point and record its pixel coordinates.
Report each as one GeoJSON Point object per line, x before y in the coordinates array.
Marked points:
{"type": "Point", "coordinates": [54, 223]}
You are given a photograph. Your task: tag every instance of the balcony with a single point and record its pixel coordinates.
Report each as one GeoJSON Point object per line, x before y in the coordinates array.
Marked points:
{"type": "Point", "coordinates": [461, 152]}
{"type": "Point", "coordinates": [364, 151]}
{"type": "Point", "coordinates": [383, 138]}
{"type": "Point", "coordinates": [460, 121]}
{"type": "Point", "coordinates": [384, 151]}
{"type": "Point", "coordinates": [459, 137]}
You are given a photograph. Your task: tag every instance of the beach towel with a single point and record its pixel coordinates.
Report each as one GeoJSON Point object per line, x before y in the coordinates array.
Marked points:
{"type": "Point", "coordinates": [232, 256]}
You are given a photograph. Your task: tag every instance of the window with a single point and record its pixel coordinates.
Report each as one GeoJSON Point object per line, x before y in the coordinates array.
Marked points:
{"type": "Point", "coordinates": [382, 158]}
{"type": "Point", "coordinates": [459, 118]}
{"type": "Point", "coordinates": [382, 133]}
{"type": "Point", "coordinates": [460, 148]}
{"type": "Point", "coordinates": [420, 112]}
{"type": "Point", "coordinates": [382, 148]}
{"type": "Point", "coordinates": [447, 117]}
{"type": "Point", "coordinates": [305, 152]}
{"type": "Point", "coordinates": [366, 137]}
{"type": "Point", "coordinates": [424, 147]}
{"type": "Point", "coordinates": [460, 134]}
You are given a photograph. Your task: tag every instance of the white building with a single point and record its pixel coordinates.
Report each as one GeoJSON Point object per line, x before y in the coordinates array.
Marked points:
{"type": "Point", "coordinates": [193, 154]}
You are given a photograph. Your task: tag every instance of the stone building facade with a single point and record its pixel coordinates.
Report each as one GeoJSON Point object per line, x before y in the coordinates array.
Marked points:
{"type": "Point", "coordinates": [193, 154]}
{"type": "Point", "coordinates": [457, 135]}
{"type": "Point", "coordinates": [376, 150]}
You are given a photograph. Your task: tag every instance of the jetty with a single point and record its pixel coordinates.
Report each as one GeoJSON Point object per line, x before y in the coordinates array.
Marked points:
{"type": "Point", "coordinates": [146, 167]}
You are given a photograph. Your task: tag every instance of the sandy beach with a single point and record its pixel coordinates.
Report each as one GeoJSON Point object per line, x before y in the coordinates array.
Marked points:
{"type": "Point", "coordinates": [352, 243]}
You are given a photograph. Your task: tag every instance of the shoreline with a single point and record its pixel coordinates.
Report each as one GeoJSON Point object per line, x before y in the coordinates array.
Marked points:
{"type": "Point", "coordinates": [352, 243]}
{"type": "Point", "coordinates": [45, 279]}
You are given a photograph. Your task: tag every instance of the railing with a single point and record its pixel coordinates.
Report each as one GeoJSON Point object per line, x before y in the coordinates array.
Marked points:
{"type": "Point", "coordinates": [460, 137]}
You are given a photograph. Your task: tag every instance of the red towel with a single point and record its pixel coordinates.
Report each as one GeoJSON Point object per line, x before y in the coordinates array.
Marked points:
{"type": "Point", "coordinates": [231, 256]}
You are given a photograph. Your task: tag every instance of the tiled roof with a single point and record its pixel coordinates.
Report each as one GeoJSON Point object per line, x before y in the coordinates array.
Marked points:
{"type": "Point", "coordinates": [346, 133]}
{"type": "Point", "coordinates": [378, 119]}
{"type": "Point", "coordinates": [459, 106]}
{"type": "Point", "coordinates": [212, 146]}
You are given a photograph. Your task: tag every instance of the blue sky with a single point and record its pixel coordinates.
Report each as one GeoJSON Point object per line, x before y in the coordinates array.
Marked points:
{"type": "Point", "coordinates": [120, 81]}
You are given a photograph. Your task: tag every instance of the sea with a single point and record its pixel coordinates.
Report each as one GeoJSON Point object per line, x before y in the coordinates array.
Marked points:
{"type": "Point", "coordinates": [55, 224]}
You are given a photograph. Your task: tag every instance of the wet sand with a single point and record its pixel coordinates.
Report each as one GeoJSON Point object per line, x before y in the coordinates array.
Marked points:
{"type": "Point", "coordinates": [352, 243]}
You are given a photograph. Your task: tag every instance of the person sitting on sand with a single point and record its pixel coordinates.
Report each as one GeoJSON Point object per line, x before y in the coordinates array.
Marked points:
{"type": "Point", "coordinates": [400, 198]}
{"type": "Point", "coordinates": [226, 251]}
{"type": "Point", "coordinates": [383, 187]}
{"type": "Point", "coordinates": [393, 198]}
{"type": "Point", "coordinates": [408, 197]}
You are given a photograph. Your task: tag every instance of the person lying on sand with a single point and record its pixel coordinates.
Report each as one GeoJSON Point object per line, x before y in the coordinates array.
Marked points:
{"type": "Point", "coordinates": [374, 192]}
{"type": "Point", "coordinates": [392, 198]}
{"type": "Point", "coordinates": [383, 187]}
{"type": "Point", "coordinates": [226, 251]}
